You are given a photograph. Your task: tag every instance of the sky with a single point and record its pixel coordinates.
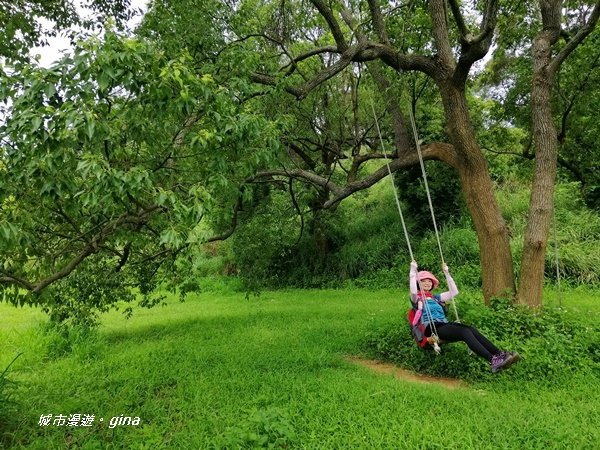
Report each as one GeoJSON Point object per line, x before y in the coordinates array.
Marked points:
{"type": "Point", "coordinates": [58, 45]}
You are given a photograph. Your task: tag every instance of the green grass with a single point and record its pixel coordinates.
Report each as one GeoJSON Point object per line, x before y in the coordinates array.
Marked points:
{"type": "Point", "coordinates": [220, 371]}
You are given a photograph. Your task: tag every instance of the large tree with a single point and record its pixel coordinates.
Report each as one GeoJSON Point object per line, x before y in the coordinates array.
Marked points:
{"type": "Point", "coordinates": [127, 129]}
{"type": "Point", "coordinates": [547, 61]}
{"type": "Point", "coordinates": [304, 48]}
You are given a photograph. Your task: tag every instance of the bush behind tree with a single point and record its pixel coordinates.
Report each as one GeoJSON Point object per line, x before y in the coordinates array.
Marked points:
{"type": "Point", "coordinates": [444, 190]}
{"type": "Point", "coordinates": [368, 248]}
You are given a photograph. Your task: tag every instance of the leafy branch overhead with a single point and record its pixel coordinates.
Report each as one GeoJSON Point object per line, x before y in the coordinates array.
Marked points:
{"type": "Point", "coordinates": [348, 42]}
{"type": "Point", "coordinates": [116, 153]}
{"type": "Point", "coordinates": [27, 23]}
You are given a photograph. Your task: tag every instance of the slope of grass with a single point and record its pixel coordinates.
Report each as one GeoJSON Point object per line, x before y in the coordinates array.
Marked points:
{"type": "Point", "coordinates": [222, 371]}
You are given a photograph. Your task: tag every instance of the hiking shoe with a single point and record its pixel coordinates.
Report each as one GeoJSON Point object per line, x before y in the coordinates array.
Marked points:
{"type": "Point", "coordinates": [500, 361]}
{"type": "Point", "coordinates": [512, 357]}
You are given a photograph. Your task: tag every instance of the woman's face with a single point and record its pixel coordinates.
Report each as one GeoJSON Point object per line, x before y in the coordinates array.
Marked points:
{"type": "Point", "coordinates": [426, 284]}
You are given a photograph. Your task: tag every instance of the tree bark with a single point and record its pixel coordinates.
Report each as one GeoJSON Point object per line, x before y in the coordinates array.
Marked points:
{"type": "Point", "coordinates": [477, 187]}
{"type": "Point", "coordinates": [531, 276]}
{"type": "Point", "coordinates": [478, 191]}
{"type": "Point", "coordinates": [545, 139]}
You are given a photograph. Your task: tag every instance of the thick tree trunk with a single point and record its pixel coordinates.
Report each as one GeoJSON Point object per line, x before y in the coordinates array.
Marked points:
{"type": "Point", "coordinates": [492, 234]}
{"type": "Point", "coordinates": [531, 276]}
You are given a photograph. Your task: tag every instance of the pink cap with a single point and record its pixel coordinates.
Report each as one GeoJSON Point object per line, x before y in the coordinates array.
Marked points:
{"type": "Point", "coordinates": [425, 275]}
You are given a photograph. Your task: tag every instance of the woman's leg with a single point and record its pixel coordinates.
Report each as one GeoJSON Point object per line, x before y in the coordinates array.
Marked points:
{"type": "Point", "coordinates": [485, 342]}
{"type": "Point", "coordinates": [453, 332]}
{"type": "Point", "coordinates": [481, 338]}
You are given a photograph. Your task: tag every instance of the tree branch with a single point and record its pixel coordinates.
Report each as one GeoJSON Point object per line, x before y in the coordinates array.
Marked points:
{"type": "Point", "coordinates": [313, 52]}
{"type": "Point", "coordinates": [90, 248]}
{"type": "Point", "coordinates": [465, 36]}
{"type": "Point", "coordinates": [297, 208]}
{"type": "Point", "coordinates": [441, 151]}
{"type": "Point", "coordinates": [401, 134]}
{"type": "Point", "coordinates": [576, 40]}
{"type": "Point", "coordinates": [362, 52]}
{"type": "Point", "coordinates": [300, 153]}
{"type": "Point", "coordinates": [474, 48]}
{"type": "Point", "coordinates": [327, 14]}
{"type": "Point", "coordinates": [437, 11]}
{"type": "Point", "coordinates": [438, 150]}
{"type": "Point", "coordinates": [13, 279]}
{"type": "Point", "coordinates": [300, 174]}
{"type": "Point", "coordinates": [488, 23]}
{"type": "Point", "coordinates": [124, 257]}
{"type": "Point", "coordinates": [269, 80]}
{"type": "Point", "coordinates": [233, 225]}
{"type": "Point", "coordinates": [378, 23]}
{"type": "Point", "coordinates": [329, 72]}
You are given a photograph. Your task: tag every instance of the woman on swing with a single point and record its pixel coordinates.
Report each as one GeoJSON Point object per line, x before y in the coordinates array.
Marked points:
{"type": "Point", "coordinates": [429, 309]}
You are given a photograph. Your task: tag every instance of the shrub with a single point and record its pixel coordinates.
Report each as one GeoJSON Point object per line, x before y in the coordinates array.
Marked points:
{"type": "Point", "coordinates": [552, 342]}
{"type": "Point", "coordinates": [444, 189]}
{"type": "Point", "coordinates": [60, 339]}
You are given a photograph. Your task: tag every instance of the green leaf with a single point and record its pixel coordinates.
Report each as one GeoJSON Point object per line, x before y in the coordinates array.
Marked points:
{"type": "Point", "coordinates": [35, 123]}
{"type": "Point", "coordinates": [89, 129]}
{"type": "Point", "coordinates": [103, 81]}
{"type": "Point", "coordinates": [50, 90]}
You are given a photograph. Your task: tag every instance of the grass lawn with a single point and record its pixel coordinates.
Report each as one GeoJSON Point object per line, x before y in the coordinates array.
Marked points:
{"type": "Point", "coordinates": [223, 371]}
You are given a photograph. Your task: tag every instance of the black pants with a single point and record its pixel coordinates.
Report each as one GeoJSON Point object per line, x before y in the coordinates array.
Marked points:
{"type": "Point", "coordinates": [455, 332]}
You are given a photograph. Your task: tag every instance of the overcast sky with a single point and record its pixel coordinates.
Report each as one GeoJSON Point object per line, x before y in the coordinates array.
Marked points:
{"type": "Point", "coordinates": [57, 45]}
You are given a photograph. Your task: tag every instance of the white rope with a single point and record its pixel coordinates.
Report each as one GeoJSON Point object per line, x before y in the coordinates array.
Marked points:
{"type": "Point", "coordinates": [387, 163]}
{"type": "Point", "coordinates": [418, 145]}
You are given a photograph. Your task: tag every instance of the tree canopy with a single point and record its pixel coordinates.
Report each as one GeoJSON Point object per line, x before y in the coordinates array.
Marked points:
{"type": "Point", "coordinates": [23, 21]}
{"type": "Point", "coordinates": [111, 157]}
{"type": "Point", "coordinates": [115, 157]}
{"type": "Point", "coordinates": [304, 50]}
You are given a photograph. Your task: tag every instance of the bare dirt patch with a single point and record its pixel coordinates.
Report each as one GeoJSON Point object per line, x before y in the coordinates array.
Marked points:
{"type": "Point", "coordinates": [407, 375]}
